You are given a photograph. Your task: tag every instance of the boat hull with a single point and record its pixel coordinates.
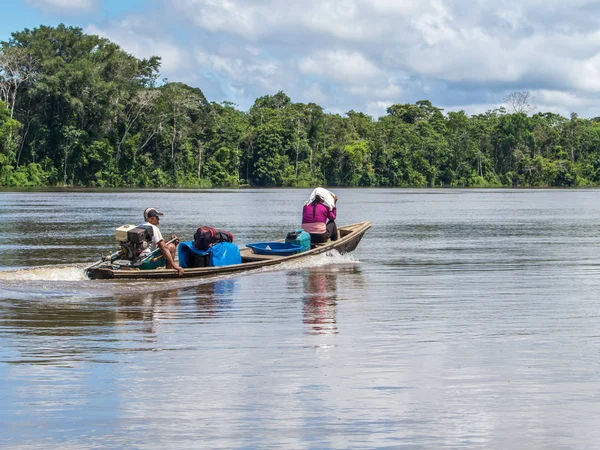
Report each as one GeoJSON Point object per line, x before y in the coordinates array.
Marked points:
{"type": "Point", "coordinates": [350, 236]}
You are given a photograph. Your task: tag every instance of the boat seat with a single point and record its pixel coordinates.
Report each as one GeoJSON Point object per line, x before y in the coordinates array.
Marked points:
{"type": "Point", "coordinates": [249, 256]}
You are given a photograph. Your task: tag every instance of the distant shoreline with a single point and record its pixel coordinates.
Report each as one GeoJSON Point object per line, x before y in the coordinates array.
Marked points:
{"type": "Point", "coordinates": [228, 189]}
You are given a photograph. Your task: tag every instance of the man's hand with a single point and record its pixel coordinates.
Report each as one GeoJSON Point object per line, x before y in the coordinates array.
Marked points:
{"type": "Point", "coordinates": [175, 239]}
{"type": "Point", "coordinates": [169, 252]}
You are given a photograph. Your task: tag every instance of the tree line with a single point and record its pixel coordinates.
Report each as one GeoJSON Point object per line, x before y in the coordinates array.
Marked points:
{"type": "Point", "coordinates": [76, 110]}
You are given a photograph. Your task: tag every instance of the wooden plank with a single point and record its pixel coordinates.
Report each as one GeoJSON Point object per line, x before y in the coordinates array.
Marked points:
{"type": "Point", "coordinates": [257, 257]}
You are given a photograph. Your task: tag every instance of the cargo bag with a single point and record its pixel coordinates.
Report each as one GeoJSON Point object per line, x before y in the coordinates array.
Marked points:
{"type": "Point", "coordinates": [205, 237]}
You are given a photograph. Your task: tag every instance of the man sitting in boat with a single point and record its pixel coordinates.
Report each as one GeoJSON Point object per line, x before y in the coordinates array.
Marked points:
{"type": "Point", "coordinates": [318, 216]}
{"type": "Point", "coordinates": [151, 218]}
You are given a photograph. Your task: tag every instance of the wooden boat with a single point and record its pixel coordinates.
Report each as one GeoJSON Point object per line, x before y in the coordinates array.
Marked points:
{"type": "Point", "coordinates": [350, 236]}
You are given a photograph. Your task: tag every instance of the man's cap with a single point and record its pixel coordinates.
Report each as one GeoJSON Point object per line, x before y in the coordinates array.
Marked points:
{"type": "Point", "coordinates": [152, 212]}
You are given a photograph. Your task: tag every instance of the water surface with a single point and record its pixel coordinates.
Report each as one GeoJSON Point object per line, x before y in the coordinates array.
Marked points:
{"type": "Point", "coordinates": [465, 319]}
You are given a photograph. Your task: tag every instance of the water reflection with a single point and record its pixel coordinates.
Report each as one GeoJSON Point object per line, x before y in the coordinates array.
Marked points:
{"type": "Point", "coordinates": [149, 309]}
{"type": "Point", "coordinates": [54, 333]}
{"type": "Point", "coordinates": [204, 301]}
{"type": "Point", "coordinates": [482, 334]}
{"type": "Point", "coordinates": [213, 299]}
{"type": "Point", "coordinates": [320, 301]}
{"type": "Point", "coordinates": [65, 331]}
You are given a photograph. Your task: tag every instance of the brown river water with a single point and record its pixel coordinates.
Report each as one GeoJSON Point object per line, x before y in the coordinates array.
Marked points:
{"type": "Point", "coordinates": [464, 319]}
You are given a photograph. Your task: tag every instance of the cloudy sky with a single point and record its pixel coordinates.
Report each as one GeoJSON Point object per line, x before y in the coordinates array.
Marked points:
{"type": "Point", "coordinates": [354, 54]}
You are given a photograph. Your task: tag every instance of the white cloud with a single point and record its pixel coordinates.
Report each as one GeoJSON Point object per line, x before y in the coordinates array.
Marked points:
{"type": "Point", "coordinates": [564, 98]}
{"type": "Point", "coordinates": [565, 103]}
{"type": "Point", "coordinates": [430, 38]}
{"type": "Point", "coordinates": [384, 90]}
{"type": "Point", "coordinates": [240, 70]}
{"type": "Point", "coordinates": [255, 20]}
{"type": "Point", "coordinates": [226, 15]}
{"type": "Point", "coordinates": [65, 5]}
{"type": "Point", "coordinates": [378, 108]}
{"type": "Point", "coordinates": [367, 54]}
{"type": "Point", "coordinates": [130, 36]}
{"type": "Point", "coordinates": [315, 94]}
{"type": "Point", "coordinates": [340, 65]}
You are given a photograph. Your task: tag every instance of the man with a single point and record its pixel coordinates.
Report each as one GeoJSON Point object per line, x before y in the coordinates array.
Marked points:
{"type": "Point", "coordinates": [152, 217]}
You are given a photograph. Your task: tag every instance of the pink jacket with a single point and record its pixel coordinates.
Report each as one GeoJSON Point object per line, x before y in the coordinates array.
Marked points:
{"type": "Point", "coordinates": [314, 219]}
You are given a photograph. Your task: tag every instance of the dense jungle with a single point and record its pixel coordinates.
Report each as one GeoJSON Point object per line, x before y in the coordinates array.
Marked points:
{"type": "Point", "coordinates": [77, 110]}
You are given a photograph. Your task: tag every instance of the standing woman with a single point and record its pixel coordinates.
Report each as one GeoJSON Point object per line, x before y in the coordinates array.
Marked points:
{"type": "Point", "coordinates": [318, 216]}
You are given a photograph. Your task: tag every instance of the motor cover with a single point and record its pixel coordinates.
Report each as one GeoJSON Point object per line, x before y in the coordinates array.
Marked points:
{"type": "Point", "coordinates": [140, 234]}
{"type": "Point", "coordinates": [121, 232]}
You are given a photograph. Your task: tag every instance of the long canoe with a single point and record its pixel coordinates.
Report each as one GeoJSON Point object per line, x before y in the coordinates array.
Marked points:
{"type": "Point", "coordinates": [350, 236]}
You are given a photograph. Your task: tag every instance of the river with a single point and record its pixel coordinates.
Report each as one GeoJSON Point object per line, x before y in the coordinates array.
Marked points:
{"type": "Point", "coordinates": [464, 319]}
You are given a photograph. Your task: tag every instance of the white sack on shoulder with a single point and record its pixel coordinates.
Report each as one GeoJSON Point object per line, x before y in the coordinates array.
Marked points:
{"type": "Point", "coordinates": [326, 195]}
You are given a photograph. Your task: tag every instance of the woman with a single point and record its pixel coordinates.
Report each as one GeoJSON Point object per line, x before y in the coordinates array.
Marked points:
{"type": "Point", "coordinates": [318, 216]}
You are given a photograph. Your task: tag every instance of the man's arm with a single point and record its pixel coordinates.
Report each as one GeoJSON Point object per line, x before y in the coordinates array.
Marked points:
{"type": "Point", "coordinates": [169, 257]}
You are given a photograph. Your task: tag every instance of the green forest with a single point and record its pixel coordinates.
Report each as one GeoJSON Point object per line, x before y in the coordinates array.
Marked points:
{"type": "Point", "coordinates": [76, 110]}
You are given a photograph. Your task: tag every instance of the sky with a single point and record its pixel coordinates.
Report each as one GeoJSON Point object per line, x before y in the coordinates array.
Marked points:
{"type": "Point", "coordinates": [361, 55]}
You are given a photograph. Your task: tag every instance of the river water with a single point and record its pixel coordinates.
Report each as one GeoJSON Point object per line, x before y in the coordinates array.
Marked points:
{"type": "Point", "coordinates": [464, 319]}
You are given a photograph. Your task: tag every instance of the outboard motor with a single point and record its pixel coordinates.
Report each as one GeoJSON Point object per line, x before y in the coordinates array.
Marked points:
{"type": "Point", "coordinates": [133, 240]}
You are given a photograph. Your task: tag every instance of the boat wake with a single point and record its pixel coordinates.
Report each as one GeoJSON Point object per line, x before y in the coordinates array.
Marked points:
{"type": "Point", "coordinates": [70, 280]}
{"type": "Point", "coordinates": [75, 272]}
{"type": "Point", "coordinates": [324, 259]}
{"type": "Point", "coordinates": [61, 272]}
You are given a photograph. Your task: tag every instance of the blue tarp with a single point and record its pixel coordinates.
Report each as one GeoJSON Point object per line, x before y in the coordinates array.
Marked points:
{"type": "Point", "coordinates": [225, 254]}
{"type": "Point", "coordinates": [186, 252]}
{"type": "Point", "coordinates": [221, 254]}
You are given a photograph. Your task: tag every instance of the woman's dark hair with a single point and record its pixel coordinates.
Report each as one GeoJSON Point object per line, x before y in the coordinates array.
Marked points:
{"type": "Point", "coordinates": [318, 199]}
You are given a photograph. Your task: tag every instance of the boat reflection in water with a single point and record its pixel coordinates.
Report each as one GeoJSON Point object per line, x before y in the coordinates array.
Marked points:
{"type": "Point", "coordinates": [326, 287]}
{"type": "Point", "coordinates": [214, 299]}
{"type": "Point", "coordinates": [320, 301]}
{"type": "Point", "coordinates": [201, 302]}
{"type": "Point", "coordinates": [147, 309]}
{"type": "Point", "coordinates": [69, 330]}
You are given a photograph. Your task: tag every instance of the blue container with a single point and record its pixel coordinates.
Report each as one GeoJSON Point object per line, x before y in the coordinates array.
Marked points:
{"type": "Point", "coordinates": [274, 248]}
{"type": "Point", "coordinates": [299, 237]}
{"type": "Point", "coordinates": [220, 254]}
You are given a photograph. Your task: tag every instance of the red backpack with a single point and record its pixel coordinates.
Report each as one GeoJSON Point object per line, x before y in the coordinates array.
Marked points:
{"type": "Point", "coordinates": [205, 237]}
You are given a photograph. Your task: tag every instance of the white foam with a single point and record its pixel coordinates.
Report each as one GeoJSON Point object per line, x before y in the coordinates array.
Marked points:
{"type": "Point", "coordinates": [67, 280]}
{"type": "Point", "coordinates": [332, 257]}
{"type": "Point", "coordinates": [62, 272]}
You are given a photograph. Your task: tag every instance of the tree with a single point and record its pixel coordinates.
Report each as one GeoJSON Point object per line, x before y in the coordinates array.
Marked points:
{"type": "Point", "coordinates": [16, 68]}
{"type": "Point", "coordinates": [142, 101]}
{"type": "Point", "coordinates": [72, 84]}
{"type": "Point", "coordinates": [8, 128]}
{"type": "Point", "coordinates": [186, 115]}
{"type": "Point", "coordinates": [76, 109]}
{"type": "Point", "coordinates": [520, 102]}
{"type": "Point", "coordinates": [269, 163]}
